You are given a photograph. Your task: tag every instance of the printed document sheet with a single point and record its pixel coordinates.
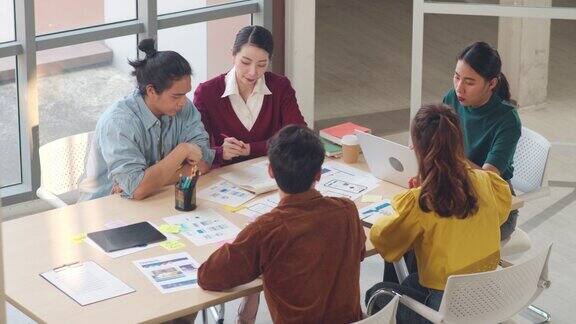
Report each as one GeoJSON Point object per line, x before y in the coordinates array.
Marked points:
{"type": "Point", "coordinates": [225, 193]}
{"type": "Point", "coordinates": [172, 272]}
{"type": "Point", "coordinates": [203, 227]}
{"type": "Point", "coordinates": [86, 282]}
{"type": "Point", "coordinates": [254, 178]}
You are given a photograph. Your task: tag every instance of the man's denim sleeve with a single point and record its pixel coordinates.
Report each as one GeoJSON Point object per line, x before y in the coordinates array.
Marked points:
{"type": "Point", "coordinates": [124, 159]}
{"type": "Point", "coordinates": [193, 132]}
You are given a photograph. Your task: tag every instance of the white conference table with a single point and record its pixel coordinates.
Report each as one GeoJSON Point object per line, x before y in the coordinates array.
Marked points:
{"type": "Point", "coordinates": [40, 242]}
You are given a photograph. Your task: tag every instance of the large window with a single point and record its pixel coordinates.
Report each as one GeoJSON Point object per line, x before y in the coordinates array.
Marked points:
{"type": "Point", "coordinates": [207, 46]}
{"type": "Point", "coordinates": [60, 15]}
{"type": "Point", "coordinates": [10, 168]}
{"type": "Point", "coordinates": [77, 83]}
{"type": "Point", "coordinates": [170, 6]}
{"type": "Point", "coordinates": [6, 20]}
{"type": "Point", "coordinates": [80, 51]}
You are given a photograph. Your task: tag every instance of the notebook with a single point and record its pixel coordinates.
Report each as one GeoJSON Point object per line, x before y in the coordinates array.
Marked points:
{"type": "Point", "coordinates": [330, 148]}
{"type": "Point", "coordinates": [128, 236]}
{"type": "Point", "coordinates": [254, 178]}
{"type": "Point", "coordinates": [335, 133]}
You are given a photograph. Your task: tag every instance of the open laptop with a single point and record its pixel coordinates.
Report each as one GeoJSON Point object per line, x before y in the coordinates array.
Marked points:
{"type": "Point", "coordinates": [387, 160]}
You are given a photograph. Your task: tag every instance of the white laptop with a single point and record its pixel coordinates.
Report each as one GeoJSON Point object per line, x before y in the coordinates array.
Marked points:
{"type": "Point", "coordinates": [387, 160]}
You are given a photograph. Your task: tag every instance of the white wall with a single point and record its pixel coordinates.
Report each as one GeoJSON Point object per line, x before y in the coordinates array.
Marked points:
{"type": "Point", "coordinates": [299, 52]}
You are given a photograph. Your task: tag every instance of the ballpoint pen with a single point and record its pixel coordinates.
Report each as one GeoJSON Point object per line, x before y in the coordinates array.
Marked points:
{"type": "Point", "coordinates": [226, 136]}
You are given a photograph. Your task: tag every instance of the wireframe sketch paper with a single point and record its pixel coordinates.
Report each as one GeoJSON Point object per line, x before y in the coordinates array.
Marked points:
{"type": "Point", "coordinates": [339, 180]}
{"type": "Point", "coordinates": [172, 272]}
{"type": "Point", "coordinates": [260, 206]}
{"type": "Point", "coordinates": [254, 178]}
{"type": "Point", "coordinates": [203, 227]}
{"type": "Point", "coordinates": [86, 282]}
{"type": "Point", "coordinates": [225, 193]}
{"type": "Point", "coordinates": [371, 213]}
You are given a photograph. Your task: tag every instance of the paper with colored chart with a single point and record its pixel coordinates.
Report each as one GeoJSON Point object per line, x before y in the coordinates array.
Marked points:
{"type": "Point", "coordinates": [203, 227]}
{"type": "Point", "coordinates": [372, 212]}
{"type": "Point", "coordinates": [169, 273]}
{"type": "Point", "coordinates": [225, 193]}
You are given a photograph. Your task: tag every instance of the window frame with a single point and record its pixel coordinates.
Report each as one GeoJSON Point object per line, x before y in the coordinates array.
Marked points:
{"type": "Point", "coordinates": [26, 44]}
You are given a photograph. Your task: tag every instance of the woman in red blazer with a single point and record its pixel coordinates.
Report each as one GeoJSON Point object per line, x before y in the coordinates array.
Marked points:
{"type": "Point", "coordinates": [243, 108]}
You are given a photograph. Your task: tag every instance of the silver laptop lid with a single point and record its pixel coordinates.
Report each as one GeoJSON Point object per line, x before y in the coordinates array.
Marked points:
{"type": "Point", "coordinates": [387, 160]}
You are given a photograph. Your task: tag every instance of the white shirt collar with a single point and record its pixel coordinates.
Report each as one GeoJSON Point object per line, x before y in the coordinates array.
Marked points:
{"type": "Point", "coordinates": [232, 85]}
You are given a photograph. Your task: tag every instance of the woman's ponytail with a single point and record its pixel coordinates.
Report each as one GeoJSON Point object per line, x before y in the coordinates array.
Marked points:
{"type": "Point", "coordinates": [503, 87]}
{"type": "Point", "coordinates": [446, 187]}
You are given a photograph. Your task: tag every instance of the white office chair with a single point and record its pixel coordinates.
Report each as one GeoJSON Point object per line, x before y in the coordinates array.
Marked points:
{"type": "Point", "coordinates": [488, 297]}
{"type": "Point", "coordinates": [386, 315]}
{"type": "Point", "coordinates": [530, 160]}
{"type": "Point", "coordinates": [61, 164]}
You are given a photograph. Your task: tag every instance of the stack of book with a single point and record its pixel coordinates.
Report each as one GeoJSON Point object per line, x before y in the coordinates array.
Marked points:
{"type": "Point", "coordinates": [332, 136]}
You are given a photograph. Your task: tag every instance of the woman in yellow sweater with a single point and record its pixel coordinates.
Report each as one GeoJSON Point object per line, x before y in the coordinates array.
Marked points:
{"type": "Point", "coordinates": [452, 221]}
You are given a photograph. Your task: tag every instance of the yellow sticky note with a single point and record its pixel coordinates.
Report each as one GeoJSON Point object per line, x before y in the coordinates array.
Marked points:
{"type": "Point", "coordinates": [371, 198]}
{"type": "Point", "coordinates": [172, 245]}
{"type": "Point", "coordinates": [78, 238]}
{"type": "Point", "coordinates": [233, 209]}
{"type": "Point", "coordinates": [170, 228]}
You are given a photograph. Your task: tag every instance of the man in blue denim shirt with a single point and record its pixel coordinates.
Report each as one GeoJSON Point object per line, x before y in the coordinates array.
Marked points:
{"type": "Point", "coordinates": [146, 140]}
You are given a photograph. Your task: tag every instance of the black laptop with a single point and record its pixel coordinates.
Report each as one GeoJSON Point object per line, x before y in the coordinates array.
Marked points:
{"type": "Point", "coordinates": [125, 237]}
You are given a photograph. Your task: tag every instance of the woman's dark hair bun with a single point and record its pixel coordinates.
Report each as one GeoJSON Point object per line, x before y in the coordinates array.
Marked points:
{"type": "Point", "coordinates": [147, 46]}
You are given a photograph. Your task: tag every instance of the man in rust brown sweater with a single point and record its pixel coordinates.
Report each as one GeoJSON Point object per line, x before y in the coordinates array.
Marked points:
{"type": "Point", "coordinates": [308, 249]}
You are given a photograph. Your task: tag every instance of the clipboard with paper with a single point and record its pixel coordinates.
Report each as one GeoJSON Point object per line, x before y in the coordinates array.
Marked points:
{"type": "Point", "coordinates": [86, 282]}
